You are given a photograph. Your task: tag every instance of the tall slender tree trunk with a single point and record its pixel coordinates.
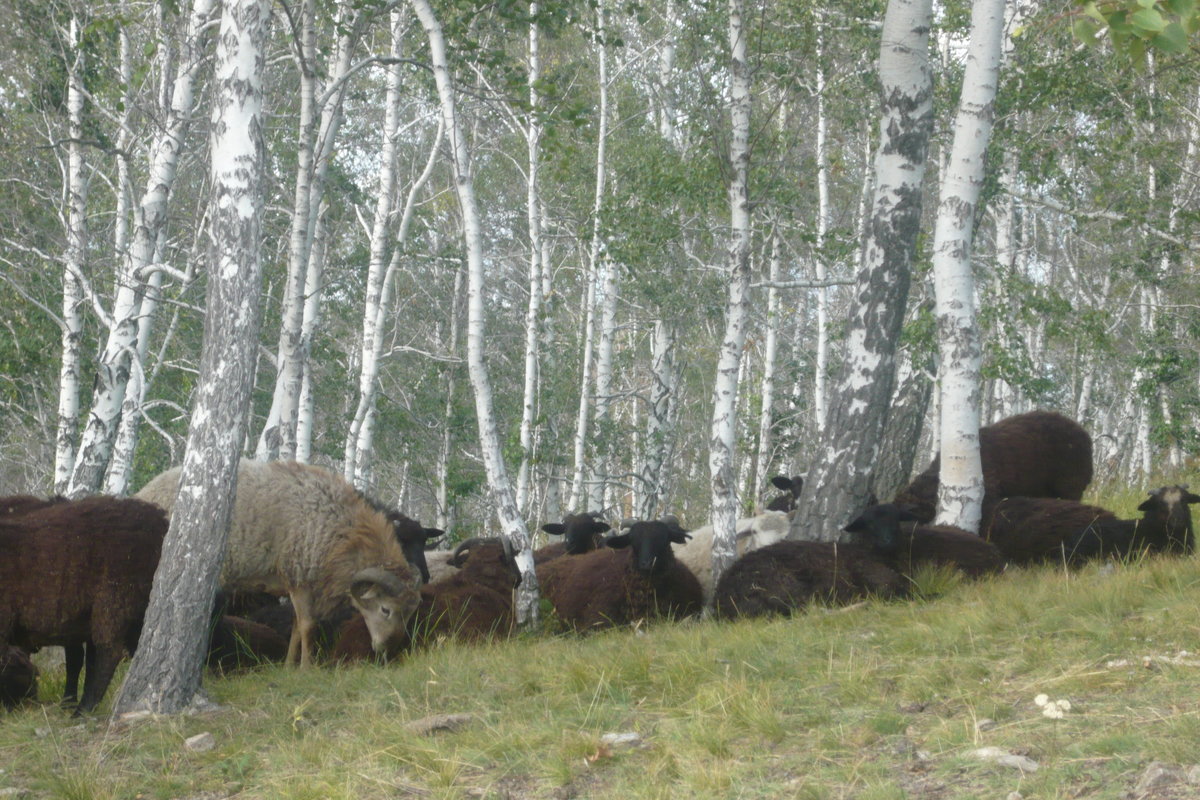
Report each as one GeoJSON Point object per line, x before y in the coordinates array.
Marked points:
{"type": "Point", "coordinates": [960, 486]}
{"type": "Point", "coordinates": [74, 256]}
{"type": "Point", "coordinates": [839, 482]}
{"type": "Point", "coordinates": [766, 415]}
{"type": "Point", "coordinates": [502, 496]}
{"type": "Point", "coordinates": [601, 424]}
{"type": "Point", "coordinates": [737, 307]}
{"type": "Point", "coordinates": [165, 674]}
{"type": "Point", "coordinates": [659, 420]}
{"type": "Point", "coordinates": [114, 368]}
{"type": "Point", "coordinates": [821, 371]}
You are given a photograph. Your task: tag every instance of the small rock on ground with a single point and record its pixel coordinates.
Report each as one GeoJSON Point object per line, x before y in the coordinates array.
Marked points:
{"type": "Point", "coordinates": [438, 723]}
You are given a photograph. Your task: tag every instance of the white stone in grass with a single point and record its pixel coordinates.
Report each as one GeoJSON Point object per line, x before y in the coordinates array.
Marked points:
{"type": "Point", "coordinates": [13, 792]}
{"type": "Point", "coordinates": [985, 724]}
{"type": "Point", "coordinates": [201, 742]}
{"type": "Point", "coordinates": [1005, 758]}
{"type": "Point", "coordinates": [621, 739]}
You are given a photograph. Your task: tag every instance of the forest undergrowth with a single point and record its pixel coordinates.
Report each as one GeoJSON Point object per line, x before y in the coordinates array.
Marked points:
{"type": "Point", "coordinates": [953, 695]}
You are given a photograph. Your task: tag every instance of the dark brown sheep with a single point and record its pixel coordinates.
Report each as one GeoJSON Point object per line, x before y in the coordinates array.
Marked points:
{"type": "Point", "coordinates": [1038, 454]}
{"type": "Point", "coordinates": [1030, 530]}
{"type": "Point", "coordinates": [581, 534]}
{"type": "Point", "coordinates": [636, 577]}
{"type": "Point", "coordinates": [80, 572]}
{"type": "Point", "coordinates": [236, 643]}
{"type": "Point", "coordinates": [305, 532]}
{"type": "Point", "coordinates": [790, 487]}
{"type": "Point", "coordinates": [788, 575]}
{"type": "Point", "coordinates": [1165, 527]}
{"type": "Point", "coordinates": [473, 603]}
{"type": "Point", "coordinates": [890, 531]}
{"type": "Point", "coordinates": [18, 677]}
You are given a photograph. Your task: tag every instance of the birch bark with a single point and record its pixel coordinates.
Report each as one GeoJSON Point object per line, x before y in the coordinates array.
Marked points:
{"type": "Point", "coordinates": [840, 481]}
{"type": "Point", "coordinates": [766, 416]}
{"type": "Point", "coordinates": [960, 488]}
{"type": "Point", "coordinates": [725, 390]}
{"type": "Point", "coordinates": [165, 674]}
{"type": "Point", "coordinates": [660, 420]}
{"type": "Point", "coordinates": [503, 497]}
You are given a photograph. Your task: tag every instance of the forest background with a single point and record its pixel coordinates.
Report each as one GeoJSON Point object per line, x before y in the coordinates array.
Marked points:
{"type": "Point", "coordinates": [606, 263]}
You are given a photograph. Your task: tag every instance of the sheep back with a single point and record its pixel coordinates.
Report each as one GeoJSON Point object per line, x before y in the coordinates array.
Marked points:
{"type": "Point", "coordinates": [949, 546]}
{"type": "Point", "coordinates": [1032, 529]}
{"type": "Point", "coordinates": [753, 533]}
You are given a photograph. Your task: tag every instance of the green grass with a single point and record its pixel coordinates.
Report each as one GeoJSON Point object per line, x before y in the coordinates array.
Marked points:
{"type": "Point", "coordinates": [877, 702]}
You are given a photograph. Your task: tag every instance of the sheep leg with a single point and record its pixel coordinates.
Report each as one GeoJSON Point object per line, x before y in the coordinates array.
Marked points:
{"type": "Point", "coordinates": [79, 656]}
{"type": "Point", "coordinates": [302, 629]}
{"type": "Point", "coordinates": [98, 675]}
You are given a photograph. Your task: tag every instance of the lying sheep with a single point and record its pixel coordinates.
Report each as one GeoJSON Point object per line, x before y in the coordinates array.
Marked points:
{"type": "Point", "coordinates": [1038, 454]}
{"type": "Point", "coordinates": [752, 533]}
{"type": "Point", "coordinates": [236, 643]}
{"type": "Point", "coordinates": [636, 577]}
{"type": "Point", "coordinates": [1029, 530]}
{"type": "Point", "coordinates": [80, 572]}
{"type": "Point", "coordinates": [476, 602]}
{"type": "Point", "coordinates": [581, 534]}
{"type": "Point", "coordinates": [1165, 527]}
{"type": "Point", "coordinates": [305, 532]}
{"type": "Point", "coordinates": [890, 532]}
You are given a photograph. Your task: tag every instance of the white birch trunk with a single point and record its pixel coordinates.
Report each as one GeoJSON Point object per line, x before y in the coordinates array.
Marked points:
{"type": "Point", "coordinates": [533, 313]}
{"type": "Point", "coordinates": [737, 307]}
{"type": "Point", "coordinates": [766, 415]}
{"type": "Point", "coordinates": [821, 371]}
{"type": "Point", "coordinates": [445, 518]}
{"type": "Point", "coordinates": [659, 428]}
{"type": "Point", "coordinates": [839, 482]}
{"type": "Point", "coordinates": [601, 425]}
{"type": "Point", "coordinates": [115, 362]}
{"type": "Point", "coordinates": [960, 487]}
{"type": "Point", "coordinates": [502, 494]}
{"type": "Point", "coordinates": [165, 674]}
{"type": "Point", "coordinates": [74, 256]}
{"type": "Point", "coordinates": [665, 108]}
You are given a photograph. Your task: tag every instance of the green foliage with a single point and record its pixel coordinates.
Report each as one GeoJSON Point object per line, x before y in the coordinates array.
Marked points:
{"type": "Point", "coordinates": [1138, 27]}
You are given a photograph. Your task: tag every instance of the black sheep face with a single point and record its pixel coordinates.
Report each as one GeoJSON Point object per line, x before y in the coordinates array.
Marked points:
{"type": "Point", "coordinates": [580, 532]}
{"type": "Point", "coordinates": [651, 543]}
{"type": "Point", "coordinates": [413, 540]}
{"type": "Point", "coordinates": [791, 487]}
{"type": "Point", "coordinates": [879, 526]}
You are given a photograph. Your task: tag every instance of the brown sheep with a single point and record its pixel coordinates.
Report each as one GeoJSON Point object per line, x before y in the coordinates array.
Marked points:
{"type": "Point", "coordinates": [606, 587]}
{"type": "Point", "coordinates": [18, 677]}
{"type": "Point", "coordinates": [889, 531]}
{"type": "Point", "coordinates": [237, 643]}
{"type": "Point", "coordinates": [1030, 530]}
{"type": "Point", "coordinates": [1038, 454]}
{"type": "Point", "coordinates": [1165, 527]}
{"type": "Point", "coordinates": [305, 532]}
{"type": "Point", "coordinates": [80, 572]}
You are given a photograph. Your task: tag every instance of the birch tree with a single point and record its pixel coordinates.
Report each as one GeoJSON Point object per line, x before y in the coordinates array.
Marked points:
{"type": "Point", "coordinates": [839, 482]}
{"type": "Point", "coordinates": [165, 674]}
{"type": "Point", "coordinates": [502, 495]}
{"type": "Point", "coordinates": [737, 307]}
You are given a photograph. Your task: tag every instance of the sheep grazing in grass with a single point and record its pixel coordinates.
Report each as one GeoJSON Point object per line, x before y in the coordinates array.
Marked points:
{"type": "Point", "coordinates": [889, 530]}
{"type": "Point", "coordinates": [1165, 527]}
{"type": "Point", "coordinates": [752, 533]}
{"type": "Point", "coordinates": [1029, 530]}
{"type": "Point", "coordinates": [476, 602]}
{"type": "Point", "coordinates": [791, 492]}
{"type": "Point", "coordinates": [79, 572]}
{"type": "Point", "coordinates": [636, 577]}
{"type": "Point", "coordinates": [788, 575]}
{"type": "Point", "coordinates": [18, 677]}
{"type": "Point", "coordinates": [305, 532]}
{"type": "Point", "coordinates": [581, 534]}
{"type": "Point", "coordinates": [1038, 454]}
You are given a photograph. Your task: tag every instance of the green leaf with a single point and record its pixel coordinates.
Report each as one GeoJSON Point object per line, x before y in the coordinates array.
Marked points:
{"type": "Point", "coordinates": [1173, 39]}
{"type": "Point", "coordinates": [1148, 21]}
{"type": "Point", "coordinates": [1093, 12]}
{"type": "Point", "coordinates": [1085, 30]}
{"type": "Point", "coordinates": [1146, 3]}
{"type": "Point", "coordinates": [1184, 8]}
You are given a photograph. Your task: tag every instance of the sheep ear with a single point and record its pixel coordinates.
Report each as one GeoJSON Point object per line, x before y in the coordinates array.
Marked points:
{"type": "Point", "coordinates": [556, 528]}
{"type": "Point", "coordinates": [433, 533]}
{"type": "Point", "coordinates": [1190, 498]}
{"type": "Point", "coordinates": [859, 525]}
{"type": "Point", "coordinates": [618, 542]}
{"type": "Point", "coordinates": [600, 526]}
{"type": "Point", "coordinates": [782, 483]}
{"type": "Point", "coordinates": [680, 536]}
{"type": "Point", "coordinates": [906, 513]}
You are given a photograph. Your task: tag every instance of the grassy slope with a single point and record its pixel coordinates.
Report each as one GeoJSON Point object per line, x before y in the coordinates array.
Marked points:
{"type": "Point", "coordinates": [875, 702]}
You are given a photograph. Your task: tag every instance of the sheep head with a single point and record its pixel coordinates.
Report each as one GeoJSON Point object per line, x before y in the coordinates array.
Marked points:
{"type": "Point", "coordinates": [879, 525]}
{"type": "Point", "coordinates": [386, 601]}
{"type": "Point", "coordinates": [650, 542]}
{"type": "Point", "coordinates": [413, 540]}
{"type": "Point", "coordinates": [580, 532]}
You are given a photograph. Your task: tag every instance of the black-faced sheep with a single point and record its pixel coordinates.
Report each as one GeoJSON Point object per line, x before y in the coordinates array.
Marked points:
{"type": "Point", "coordinates": [636, 577]}
{"type": "Point", "coordinates": [581, 534]}
{"type": "Point", "coordinates": [892, 533]}
{"type": "Point", "coordinates": [413, 537]}
{"type": "Point", "coordinates": [80, 572]}
{"type": "Point", "coordinates": [1165, 527]}
{"type": "Point", "coordinates": [788, 575]}
{"type": "Point", "coordinates": [753, 533]}
{"type": "Point", "coordinates": [790, 487]}
{"type": "Point", "coordinates": [1038, 454]}
{"type": "Point", "coordinates": [18, 677]}
{"type": "Point", "coordinates": [305, 532]}
{"type": "Point", "coordinates": [473, 603]}
{"type": "Point", "coordinates": [1029, 530]}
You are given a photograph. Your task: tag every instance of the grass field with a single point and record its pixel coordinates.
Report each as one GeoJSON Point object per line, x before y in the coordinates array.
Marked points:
{"type": "Point", "coordinates": [881, 701]}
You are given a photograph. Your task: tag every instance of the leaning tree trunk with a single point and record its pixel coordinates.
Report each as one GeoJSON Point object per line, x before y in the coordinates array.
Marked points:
{"type": "Point", "coordinates": [115, 361]}
{"type": "Point", "coordinates": [74, 256]}
{"type": "Point", "coordinates": [839, 482]}
{"type": "Point", "coordinates": [960, 484]}
{"type": "Point", "coordinates": [737, 307]}
{"type": "Point", "coordinates": [165, 674]}
{"type": "Point", "coordinates": [502, 494]}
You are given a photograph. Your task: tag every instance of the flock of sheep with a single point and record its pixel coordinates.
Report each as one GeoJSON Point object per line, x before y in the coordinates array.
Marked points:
{"type": "Point", "coordinates": [360, 584]}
